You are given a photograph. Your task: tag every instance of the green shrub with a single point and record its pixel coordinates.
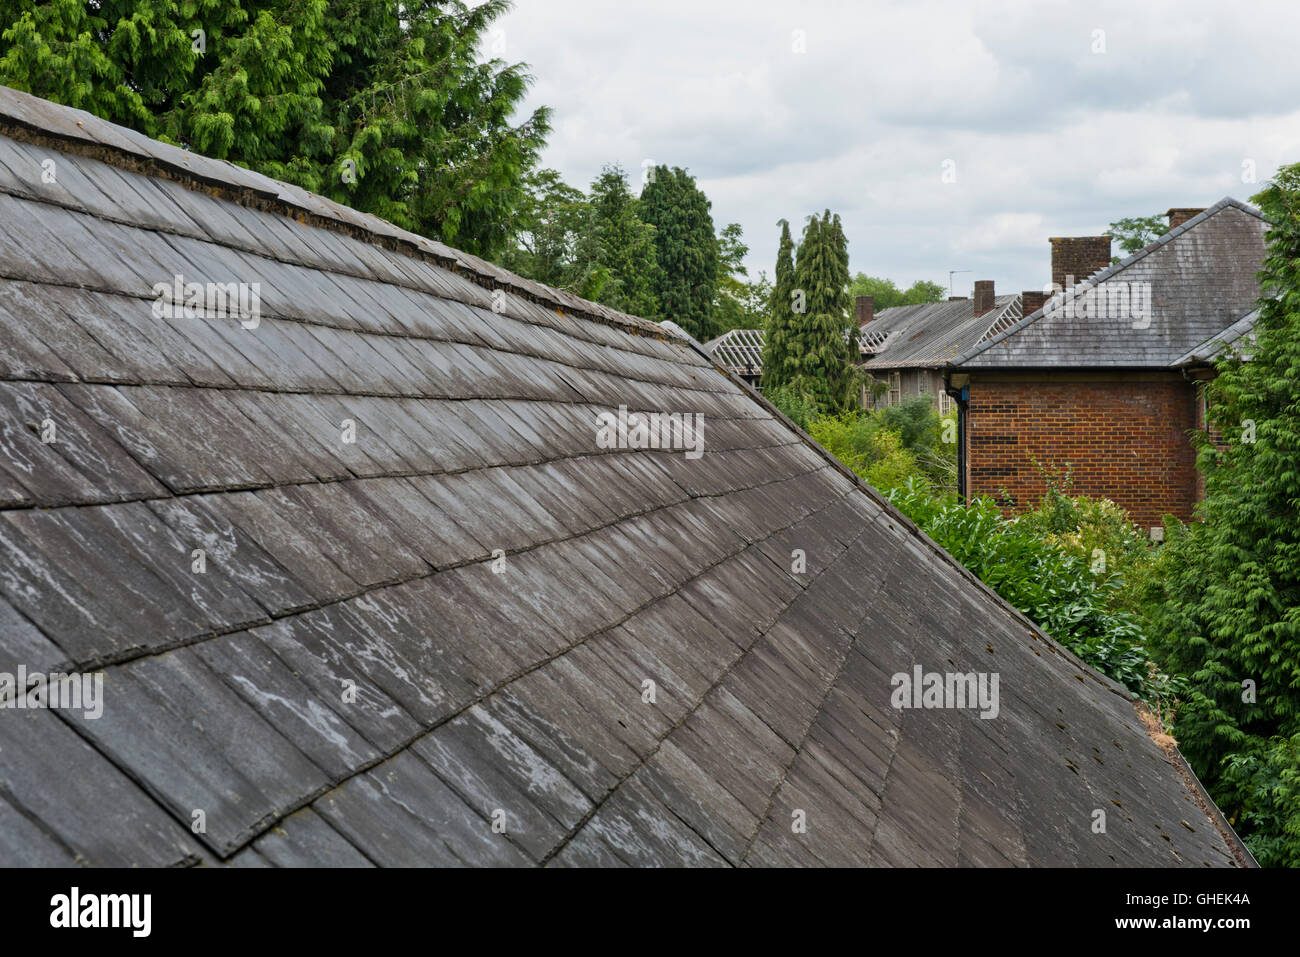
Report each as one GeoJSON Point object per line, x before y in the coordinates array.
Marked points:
{"type": "Point", "coordinates": [1099, 532]}
{"type": "Point", "coordinates": [1261, 783]}
{"type": "Point", "coordinates": [922, 431]}
{"type": "Point", "coordinates": [876, 454]}
{"type": "Point", "coordinates": [893, 465]}
{"type": "Point", "coordinates": [888, 446]}
{"type": "Point", "coordinates": [801, 409]}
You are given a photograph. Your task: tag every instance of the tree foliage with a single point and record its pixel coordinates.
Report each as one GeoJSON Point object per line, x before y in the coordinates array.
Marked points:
{"type": "Point", "coordinates": [686, 249]}
{"type": "Point", "coordinates": [777, 371]}
{"type": "Point", "coordinates": [624, 246]}
{"type": "Point", "coordinates": [385, 107]}
{"type": "Point", "coordinates": [1135, 232]}
{"type": "Point", "coordinates": [1231, 621]}
{"type": "Point", "coordinates": [885, 294]}
{"type": "Point", "coordinates": [822, 341]}
{"type": "Point", "coordinates": [553, 220]}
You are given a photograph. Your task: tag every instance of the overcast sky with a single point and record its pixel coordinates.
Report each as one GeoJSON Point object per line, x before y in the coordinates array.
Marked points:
{"type": "Point", "coordinates": [1054, 118]}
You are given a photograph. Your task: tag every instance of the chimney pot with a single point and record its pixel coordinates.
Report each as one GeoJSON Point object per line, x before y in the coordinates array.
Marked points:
{"type": "Point", "coordinates": [1078, 257]}
{"type": "Point", "coordinates": [983, 296]}
{"type": "Point", "coordinates": [1181, 214]}
{"type": "Point", "coordinates": [864, 308]}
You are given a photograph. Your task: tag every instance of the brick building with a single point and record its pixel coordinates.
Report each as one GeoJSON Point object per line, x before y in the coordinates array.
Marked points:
{"type": "Point", "coordinates": [1103, 380]}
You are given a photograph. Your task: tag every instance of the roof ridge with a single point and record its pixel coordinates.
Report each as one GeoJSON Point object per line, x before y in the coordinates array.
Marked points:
{"type": "Point", "coordinates": [30, 119]}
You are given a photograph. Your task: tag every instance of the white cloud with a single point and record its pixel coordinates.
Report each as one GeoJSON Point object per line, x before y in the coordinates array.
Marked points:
{"type": "Point", "coordinates": [1048, 137]}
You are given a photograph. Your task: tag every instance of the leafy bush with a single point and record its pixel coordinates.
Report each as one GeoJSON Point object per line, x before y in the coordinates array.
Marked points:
{"type": "Point", "coordinates": [1099, 532]}
{"type": "Point", "coordinates": [801, 409]}
{"type": "Point", "coordinates": [922, 431]}
{"type": "Point", "coordinates": [875, 453]}
{"type": "Point", "coordinates": [1261, 783]}
{"type": "Point", "coordinates": [887, 446]}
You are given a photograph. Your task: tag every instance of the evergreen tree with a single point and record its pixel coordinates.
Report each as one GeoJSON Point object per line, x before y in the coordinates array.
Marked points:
{"type": "Point", "coordinates": [777, 371]}
{"type": "Point", "coordinates": [844, 301]}
{"type": "Point", "coordinates": [624, 245]}
{"type": "Point", "coordinates": [381, 106]}
{"type": "Point", "coordinates": [1231, 621]}
{"type": "Point", "coordinates": [819, 354]}
{"type": "Point", "coordinates": [686, 249]}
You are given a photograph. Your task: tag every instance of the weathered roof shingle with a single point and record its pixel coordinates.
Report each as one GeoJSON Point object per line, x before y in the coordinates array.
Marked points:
{"type": "Point", "coordinates": [394, 642]}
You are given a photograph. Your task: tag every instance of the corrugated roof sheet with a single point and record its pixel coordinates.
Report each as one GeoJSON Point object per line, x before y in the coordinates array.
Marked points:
{"type": "Point", "coordinates": [1199, 278]}
{"type": "Point", "coordinates": [931, 334]}
{"type": "Point", "coordinates": [395, 642]}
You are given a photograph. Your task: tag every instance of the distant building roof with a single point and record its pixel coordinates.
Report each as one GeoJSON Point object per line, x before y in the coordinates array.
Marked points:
{"type": "Point", "coordinates": [739, 351]}
{"type": "Point", "coordinates": [363, 579]}
{"type": "Point", "coordinates": [1198, 279]}
{"type": "Point", "coordinates": [930, 334]}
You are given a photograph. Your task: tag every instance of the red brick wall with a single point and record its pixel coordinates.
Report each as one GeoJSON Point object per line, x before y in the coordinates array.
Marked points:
{"type": "Point", "coordinates": [1123, 436]}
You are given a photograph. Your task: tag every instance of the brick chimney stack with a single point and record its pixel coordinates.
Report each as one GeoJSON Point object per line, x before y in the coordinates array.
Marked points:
{"type": "Point", "coordinates": [1031, 300]}
{"type": "Point", "coordinates": [1078, 256]}
{"type": "Point", "coordinates": [983, 296]}
{"type": "Point", "coordinates": [1181, 214]}
{"type": "Point", "coordinates": [864, 307]}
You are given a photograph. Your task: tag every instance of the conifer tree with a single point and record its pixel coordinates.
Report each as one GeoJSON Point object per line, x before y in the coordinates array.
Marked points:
{"type": "Point", "coordinates": [624, 245]}
{"type": "Point", "coordinates": [776, 346]}
{"type": "Point", "coordinates": [686, 249]}
{"type": "Point", "coordinates": [845, 304]}
{"type": "Point", "coordinates": [818, 354]}
{"type": "Point", "coordinates": [1231, 621]}
{"type": "Point", "coordinates": [385, 107]}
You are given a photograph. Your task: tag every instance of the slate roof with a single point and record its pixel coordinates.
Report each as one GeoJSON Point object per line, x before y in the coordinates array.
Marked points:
{"type": "Point", "coordinates": [356, 679]}
{"type": "Point", "coordinates": [930, 334]}
{"type": "Point", "coordinates": [1202, 279]}
{"type": "Point", "coordinates": [1238, 337]}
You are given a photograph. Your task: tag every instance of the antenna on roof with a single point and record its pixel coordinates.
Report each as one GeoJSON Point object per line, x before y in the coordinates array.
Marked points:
{"type": "Point", "coordinates": [951, 273]}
